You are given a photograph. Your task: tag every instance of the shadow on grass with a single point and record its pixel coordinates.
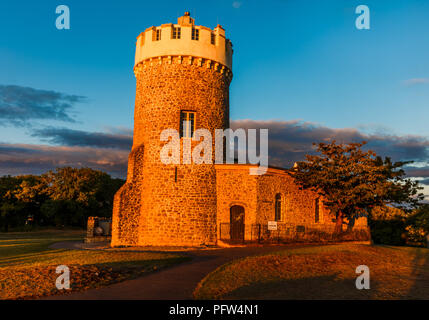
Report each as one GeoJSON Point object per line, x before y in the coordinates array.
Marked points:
{"type": "Point", "coordinates": [420, 287]}
{"type": "Point", "coordinates": [312, 288]}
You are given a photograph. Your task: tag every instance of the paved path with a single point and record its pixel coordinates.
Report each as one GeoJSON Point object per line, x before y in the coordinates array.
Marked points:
{"type": "Point", "coordinates": [176, 282]}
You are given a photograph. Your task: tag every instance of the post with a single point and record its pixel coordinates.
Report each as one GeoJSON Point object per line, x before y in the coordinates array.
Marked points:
{"type": "Point", "coordinates": [91, 226]}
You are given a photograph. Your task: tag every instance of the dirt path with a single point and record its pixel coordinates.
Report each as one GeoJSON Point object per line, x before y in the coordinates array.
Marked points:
{"type": "Point", "coordinates": [177, 282]}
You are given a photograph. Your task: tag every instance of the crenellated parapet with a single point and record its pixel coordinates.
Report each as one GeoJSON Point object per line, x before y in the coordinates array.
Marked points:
{"type": "Point", "coordinates": [185, 39]}
{"type": "Point", "coordinates": [183, 60]}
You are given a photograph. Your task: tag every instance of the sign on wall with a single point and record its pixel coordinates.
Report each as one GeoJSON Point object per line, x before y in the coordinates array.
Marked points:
{"type": "Point", "coordinates": [272, 225]}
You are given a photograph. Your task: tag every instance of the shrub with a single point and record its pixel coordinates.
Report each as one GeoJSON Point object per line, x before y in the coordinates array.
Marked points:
{"type": "Point", "coordinates": [388, 231]}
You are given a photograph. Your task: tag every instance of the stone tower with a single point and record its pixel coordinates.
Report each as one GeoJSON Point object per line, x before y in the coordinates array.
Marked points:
{"type": "Point", "coordinates": [183, 72]}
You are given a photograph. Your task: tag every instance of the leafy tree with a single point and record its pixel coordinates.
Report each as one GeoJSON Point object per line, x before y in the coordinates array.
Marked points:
{"type": "Point", "coordinates": [66, 196]}
{"type": "Point", "coordinates": [76, 194]}
{"type": "Point", "coordinates": [11, 210]}
{"type": "Point", "coordinates": [418, 224]}
{"type": "Point", "coordinates": [420, 218]}
{"type": "Point", "coordinates": [353, 181]}
{"type": "Point", "coordinates": [31, 196]}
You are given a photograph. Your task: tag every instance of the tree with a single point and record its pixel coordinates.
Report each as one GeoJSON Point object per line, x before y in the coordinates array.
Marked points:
{"type": "Point", "coordinates": [74, 194]}
{"type": "Point", "coordinates": [66, 196]}
{"type": "Point", "coordinates": [353, 181]}
{"type": "Point", "coordinates": [418, 225]}
{"type": "Point", "coordinates": [11, 209]}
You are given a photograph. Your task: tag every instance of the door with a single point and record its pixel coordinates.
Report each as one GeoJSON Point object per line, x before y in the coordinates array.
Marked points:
{"type": "Point", "coordinates": [237, 223]}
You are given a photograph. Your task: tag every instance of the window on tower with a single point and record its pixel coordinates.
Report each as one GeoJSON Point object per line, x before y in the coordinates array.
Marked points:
{"type": "Point", "coordinates": [156, 36]}
{"type": "Point", "coordinates": [213, 38]}
{"type": "Point", "coordinates": [187, 124]}
{"type": "Point", "coordinates": [176, 33]}
{"type": "Point", "coordinates": [195, 34]}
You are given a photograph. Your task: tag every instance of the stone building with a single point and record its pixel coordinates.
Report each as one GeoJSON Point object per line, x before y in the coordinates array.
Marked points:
{"type": "Point", "coordinates": [183, 74]}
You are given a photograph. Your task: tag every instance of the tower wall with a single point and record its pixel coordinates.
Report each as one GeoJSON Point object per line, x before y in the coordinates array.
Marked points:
{"type": "Point", "coordinates": [158, 206]}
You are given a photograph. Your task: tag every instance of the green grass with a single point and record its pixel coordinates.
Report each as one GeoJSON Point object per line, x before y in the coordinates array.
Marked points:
{"type": "Point", "coordinates": [27, 264]}
{"type": "Point", "coordinates": [26, 247]}
{"type": "Point", "coordinates": [324, 272]}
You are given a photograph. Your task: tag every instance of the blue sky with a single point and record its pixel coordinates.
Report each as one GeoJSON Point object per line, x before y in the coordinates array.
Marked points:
{"type": "Point", "coordinates": [297, 63]}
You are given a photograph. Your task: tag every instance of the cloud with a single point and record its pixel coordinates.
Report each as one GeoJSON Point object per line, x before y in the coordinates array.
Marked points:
{"type": "Point", "coordinates": [118, 139]}
{"type": "Point", "coordinates": [237, 4]}
{"type": "Point", "coordinates": [20, 105]}
{"type": "Point", "coordinates": [17, 159]}
{"type": "Point", "coordinates": [418, 172]}
{"type": "Point", "coordinates": [425, 182]}
{"type": "Point", "coordinates": [416, 81]}
{"type": "Point", "coordinates": [290, 141]}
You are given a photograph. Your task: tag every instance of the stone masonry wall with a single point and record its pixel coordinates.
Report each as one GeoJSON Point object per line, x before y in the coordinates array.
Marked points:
{"type": "Point", "coordinates": [257, 195]}
{"type": "Point", "coordinates": [127, 202]}
{"type": "Point", "coordinates": [159, 207]}
{"type": "Point", "coordinates": [236, 187]}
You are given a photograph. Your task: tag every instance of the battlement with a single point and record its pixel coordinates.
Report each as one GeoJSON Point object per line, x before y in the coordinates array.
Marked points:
{"type": "Point", "coordinates": [184, 39]}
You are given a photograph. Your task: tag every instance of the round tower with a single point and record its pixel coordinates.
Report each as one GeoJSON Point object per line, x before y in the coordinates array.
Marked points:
{"type": "Point", "coordinates": [183, 73]}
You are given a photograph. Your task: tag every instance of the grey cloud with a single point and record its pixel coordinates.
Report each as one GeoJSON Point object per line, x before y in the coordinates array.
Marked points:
{"type": "Point", "coordinates": [20, 105]}
{"type": "Point", "coordinates": [425, 182]}
{"type": "Point", "coordinates": [421, 172]}
{"type": "Point", "coordinates": [290, 141]}
{"type": "Point", "coordinates": [18, 159]}
{"type": "Point", "coordinates": [122, 139]}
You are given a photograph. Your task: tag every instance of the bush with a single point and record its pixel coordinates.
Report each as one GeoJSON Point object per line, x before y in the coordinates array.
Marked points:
{"type": "Point", "coordinates": [388, 231]}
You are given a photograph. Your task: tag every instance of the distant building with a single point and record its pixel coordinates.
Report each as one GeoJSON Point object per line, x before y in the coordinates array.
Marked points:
{"type": "Point", "coordinates": [183, 72]}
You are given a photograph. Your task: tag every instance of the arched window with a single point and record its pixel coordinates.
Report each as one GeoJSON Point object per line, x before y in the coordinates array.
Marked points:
{"type": "Point", "coordinates": [317, 210]}
{"type": "Point", "coordinates": [278, 207]}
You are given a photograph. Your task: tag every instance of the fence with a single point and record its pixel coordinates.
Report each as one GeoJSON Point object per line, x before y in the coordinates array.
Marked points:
{"type": "Point", "coordinates": [286, 233]}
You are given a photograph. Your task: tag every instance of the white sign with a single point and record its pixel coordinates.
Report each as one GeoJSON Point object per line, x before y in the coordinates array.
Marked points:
{"type": "Point", "coordinates": [272, 225]}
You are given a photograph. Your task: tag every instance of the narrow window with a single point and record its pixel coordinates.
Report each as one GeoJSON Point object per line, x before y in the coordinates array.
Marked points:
{"type": "Point", "coordinates": [156, 36]}
{"type": "Point", "coordinates": [213, 38]}
{"type": "Point", "coordinates": [176, 33]}
{"type": "Point", "coordinates": [316, 210]}
{"type": "Point", "coordinates": [187, 124]}
{"type": "Point", "coordinates": [278, 207]}
{"type": "Point", "coordinates": [195, 34]}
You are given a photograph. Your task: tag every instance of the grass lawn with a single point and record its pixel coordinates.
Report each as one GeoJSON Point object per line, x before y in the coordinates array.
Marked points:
{"type": "Point", "coordinates": [27, 264]}
{"type": "Point", "coordinates": [323, 272]}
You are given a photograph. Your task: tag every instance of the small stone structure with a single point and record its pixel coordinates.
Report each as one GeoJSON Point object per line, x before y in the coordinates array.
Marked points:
{"type": "Point", "coordinates": [98, 230]}
{"type": "Point", "coordinates": [274, 196]}
{"type": "Point", "coordinates": [187, 69]}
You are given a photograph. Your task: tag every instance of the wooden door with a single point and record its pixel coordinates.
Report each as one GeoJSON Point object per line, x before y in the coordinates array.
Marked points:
{"type": "Point", "coordinates": [237, 223]}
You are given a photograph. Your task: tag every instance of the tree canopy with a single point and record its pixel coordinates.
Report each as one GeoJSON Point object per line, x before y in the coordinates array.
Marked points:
{"type": "Point", "coordinates": [66, 196]}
